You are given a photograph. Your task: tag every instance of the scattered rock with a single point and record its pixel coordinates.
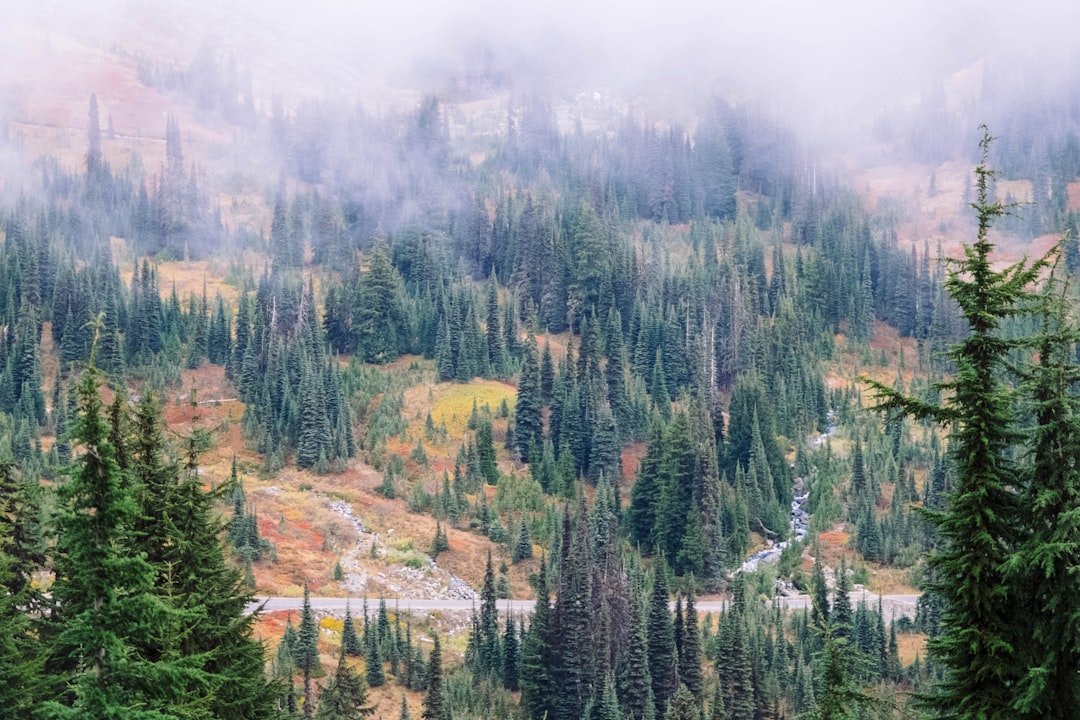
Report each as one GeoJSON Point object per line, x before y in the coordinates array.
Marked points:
{"type": "Point", "coordinates": [428, 582]}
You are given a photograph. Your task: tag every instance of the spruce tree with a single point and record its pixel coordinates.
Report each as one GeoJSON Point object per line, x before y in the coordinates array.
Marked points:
{"type": "Point", "coordinates": [21, 651]}
{"type": "Point", "coordinates": [113, 622]}
{"type": "Point", "coordinates": [528, 421]}
{"type": "Point", "coordinates": [436, 706]}
{"type": "Point", "coordinates": [537, 688]}
{"type": "Point", "coordinates": [1046, 562]}
{"type": "Point", "coordinates": [345, 696]}
{"type": "Point", "coordinates": [510, 656]}
{"type": "Point", "coordinates": [980, 528]}
{"type": "Point", "coordinates": [690, 655]}
{"type": "Point", "coordinates": [350, 642]}
{"type": "Point", "coordinates": [488, 650]}
{"type": "Point", "coordinates": [635, 684]}
{"type": "Point", "coordinates": [661, 635]}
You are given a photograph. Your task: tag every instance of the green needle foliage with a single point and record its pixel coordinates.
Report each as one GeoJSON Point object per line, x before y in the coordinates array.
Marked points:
{"type": "Point", "coordinates": [980, 528]}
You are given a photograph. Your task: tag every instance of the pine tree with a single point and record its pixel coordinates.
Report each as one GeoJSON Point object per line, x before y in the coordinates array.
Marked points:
{"type": "Point", "coordinates": [978, 643]}
{"type": "Point", "coordinates": [306, 650]}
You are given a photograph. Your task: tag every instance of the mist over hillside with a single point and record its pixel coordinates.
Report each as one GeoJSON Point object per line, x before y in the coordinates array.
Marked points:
{"type": "Point", "coordinates": [833, 71]}
{"type": "Point", "coordinates": [599, 306]}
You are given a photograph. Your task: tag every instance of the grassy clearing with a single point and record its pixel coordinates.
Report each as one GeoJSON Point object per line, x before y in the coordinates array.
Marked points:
{"type": "Point", "coordinates": [453, 402]}
{"type": "Point", "coordinates": [911, 646]}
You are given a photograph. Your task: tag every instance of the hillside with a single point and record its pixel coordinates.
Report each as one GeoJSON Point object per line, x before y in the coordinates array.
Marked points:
{"type": "Point", "coordinates": [470, 324]}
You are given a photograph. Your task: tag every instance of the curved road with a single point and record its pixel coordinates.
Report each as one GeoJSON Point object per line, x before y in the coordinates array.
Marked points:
{"type": "Point", "coordinates": [898, 604]}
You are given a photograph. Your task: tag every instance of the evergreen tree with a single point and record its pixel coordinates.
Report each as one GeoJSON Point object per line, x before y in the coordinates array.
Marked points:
{"type": "Point", "coordinates": [1045, 563]}
{"type": "Point", "coordinates": [306, 650]}
{"type": "Point", "coordinates": [180, 534]}
{"type": "Point", "coordinates": [978, 643]}
{"type": "Point", "coordinates": [345, 696]}
{"type": "Point", "coordinates": [489, 660]}
{"type": "Point", "coordinates": [528, 421]}
{"type": "Point", "coordinates": [690, 652]}
{"type": "Point", "coordinates": [350, 642]}
{"type": "Point", "coordinates": [485, 451]}
{"type": "Point", "coordinates": [547, 374]}
{"type": "Point", "coordinates": [683, 706]}
{"type": "Point", "coordinates": [537, 687]}
{"type": "Point", "coordinates": [113, 622]}
{"type": "Point", "coordinates": [21, 650]}
{"type": "Point", "coordinates": [510, 656]}
{"type": "Point", "coordinates": [377, 319]}
{"type": "Point", "coordinates": [496, 353]}
{"type": "Point", "coordinates": [661, 634]}
{"type": "Point", "coordinates": [635, 684]}
{"type": "Point", "coordinates": [436, 706]}
{"type": "Point", "coordinates": [523, 548]}
{"type": "Point", "coordinates": [373, 659]}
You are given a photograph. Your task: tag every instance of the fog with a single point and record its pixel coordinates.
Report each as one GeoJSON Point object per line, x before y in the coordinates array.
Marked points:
{"type": "Point", "coordinates": [830, 66]}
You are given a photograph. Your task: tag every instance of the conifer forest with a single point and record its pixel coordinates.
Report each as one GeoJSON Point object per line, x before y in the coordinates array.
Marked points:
{"type": "Point", "coordinates": [493, 363]}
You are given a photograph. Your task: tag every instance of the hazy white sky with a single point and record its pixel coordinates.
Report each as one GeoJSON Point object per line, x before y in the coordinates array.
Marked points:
{"type": "Point", "coordinates": [836, 54]}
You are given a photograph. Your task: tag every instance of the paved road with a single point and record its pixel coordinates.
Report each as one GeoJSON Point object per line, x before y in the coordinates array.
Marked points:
{"type": "Point", "coordinates": [897, 604]}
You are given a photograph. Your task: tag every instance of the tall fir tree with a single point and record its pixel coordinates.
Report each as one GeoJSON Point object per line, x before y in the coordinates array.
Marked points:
{"type": "Point", "coordinates": [537, 685]}
{"type": "Point", "coordinates": [436, 704]}
{"type": "Point", "coordinates": [113, 623]}
{"type": "Point", "coordinates": [528, 420]}
{"type": "Point", "coordinates": [980, 528]}
{"type": "Point", "coordinates": [1045, 562]}
{"type": "Point", "coordinates": [661, 634]}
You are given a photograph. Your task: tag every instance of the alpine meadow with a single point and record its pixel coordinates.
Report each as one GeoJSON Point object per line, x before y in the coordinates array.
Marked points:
{"type": "Point", "coordinates": [567, 361]}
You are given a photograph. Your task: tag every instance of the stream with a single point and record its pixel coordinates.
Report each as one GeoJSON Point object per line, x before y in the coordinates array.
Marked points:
{"type": "Point", "coordinates": [800, 518]}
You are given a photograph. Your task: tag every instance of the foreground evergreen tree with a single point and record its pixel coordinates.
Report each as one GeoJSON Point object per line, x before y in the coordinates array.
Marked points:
{"type": "Point", "coordinates": [980, 528]}
{"type": "Point", "coordinates": [21, 686]}
{"type": "Point", "coordinates": [108, 651]}
{"type": "Point", "coordinates": [1048, 559]}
